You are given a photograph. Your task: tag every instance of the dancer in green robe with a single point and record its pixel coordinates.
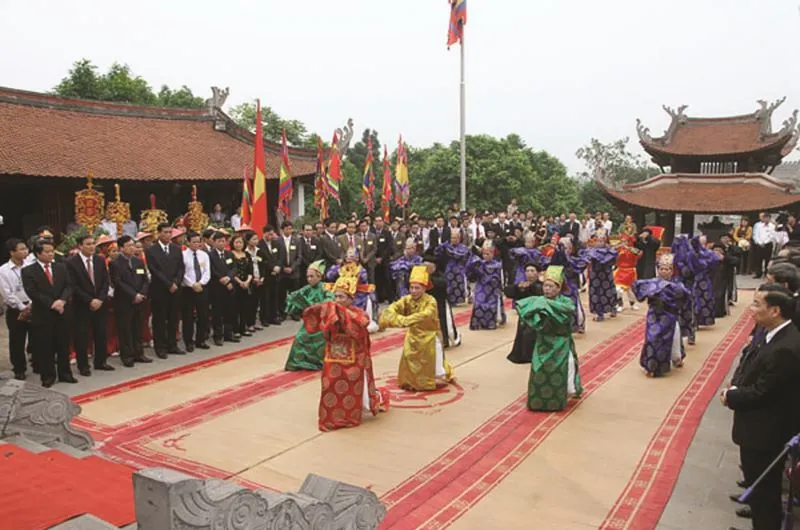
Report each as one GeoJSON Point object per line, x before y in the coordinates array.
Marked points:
{"type": "Point", "coordinates": [554, 374]}
{"type": "Point", "coordinates": [308, 348]}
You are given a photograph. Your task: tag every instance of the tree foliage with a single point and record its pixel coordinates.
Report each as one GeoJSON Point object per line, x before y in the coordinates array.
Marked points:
{"type": "Point", "coordinates": [121, 85]}
{"type": "Point", "coordinates": [614, 163]}
{"type": "Point", "coordinates": [296, 132]}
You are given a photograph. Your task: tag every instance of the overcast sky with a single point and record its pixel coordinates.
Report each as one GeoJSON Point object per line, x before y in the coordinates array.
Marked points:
{"type": "Point", "coordinates": [556, 72]}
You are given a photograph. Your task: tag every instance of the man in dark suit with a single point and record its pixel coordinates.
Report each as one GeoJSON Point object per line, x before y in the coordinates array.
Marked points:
{"type": "Point", "coordinates": [367, 245]}
{"type": "Point", "coordinates": [383, 281]}
{"type": "Point", "coordinates": [764, 398]}
{"type": "Point", "coordinates": [221, 290]}
{"type": "Point", "coordinates": [194, 298]}
{"type": "Point", "coordinates": [47, 285]}
{"type": "Point", "coordinates": [272, 269]}
{"type": "Point", "coordinates": [130, 290]}
{"type": "Point", "coordinates": [330, 250]}
{"type": "Point", "coordinates": [90, 283]}
{"type": "Point", "coordinates": [571, 227]}
{"type": "Point", "coordinates": [439, 234]}
{"type": "Point", "coordinates": [290, 256]}
{"type": "Point", "coordinates": [165, 261]}
{"type": "Point", "coordinates": [310, 251]}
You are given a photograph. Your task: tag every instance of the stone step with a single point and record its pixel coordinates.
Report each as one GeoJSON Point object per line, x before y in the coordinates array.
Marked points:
{"type": "Point", "coordinates": [84, 522]}
{"type": "Point", "coordinates": [27, 444]}
{"type": "Point", "coordinates": [68, 449]}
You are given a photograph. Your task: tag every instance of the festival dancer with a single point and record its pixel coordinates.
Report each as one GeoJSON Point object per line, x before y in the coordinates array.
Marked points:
{"type": "Point", "coordinates": [487, 272]}
{"type": "Point", "coordinates": [522, 351]}
{"type": "Point", "coordinates": [663, 346]}
{"type": "Point", "coordinates": [554, 373]}
{"type": "Point", "coordinates": [451, 337]}
{"type": "Point", "coordinates": [524, 256]}
{"type": "Point", "coordinates": [701, 261]}
{"type": "Point", "coordinates": [681, 251]}
{"type": "Point", "coordinates": [602, 291]}
{"type": "Point", "coordinates": [348, 384]}
{"type": "Point", "coordinates": [423, 365]}
{"type": "Point", "coordinates": [573, 268]}
{"type": "Point", "coordinates": [401, 267]}
{"type": "Point", "coordinates": [454, 256]}
{"type": "Point", "coordinates": [365, 298]}
{"type": "Point", "coordinates": [307, 349]}
{"type": "Point", "coordinates": [625, 274]}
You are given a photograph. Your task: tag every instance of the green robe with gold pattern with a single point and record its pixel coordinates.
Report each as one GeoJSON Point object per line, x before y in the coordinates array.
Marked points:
{"type": "Point", "coordinates": [308, 348]}
{"type": "Point", "coordinates": [554, 367]}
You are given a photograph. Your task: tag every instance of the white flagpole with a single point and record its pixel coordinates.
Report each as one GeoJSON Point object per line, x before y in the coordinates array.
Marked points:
{"type": "Point", "coordinates": [463, 130]}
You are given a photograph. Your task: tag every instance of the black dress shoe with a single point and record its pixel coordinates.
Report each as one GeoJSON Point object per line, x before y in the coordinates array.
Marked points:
{"type": "Point", "coordinates": [128, 363]}
{"type": "Point", "coordinates": [47, 383]}
{"type": "Point", "coordinates": [19, 376]}
{"type": "Point", "coordinates": [264, 325]}
{"type": "Point", "coordinates": [104, 367]}
{"type": "Point", "coordinates": [232, 339]}
{"type": "Point", "coordinates": [257, 328]}
{"type": "Point", "coordinates": [744, 513]}
{"type": "Point", "coordinates": [742, 484]}
{"type": "Point", "coordinates": [203, 346]}
{"type": "Point", "coordinates": [177, 351]}
{"type": "Point", "coordinates": [189, 348]}
{"type": "Point", "coordinates": [735, 498]}
{"type": "Point", "coordinates": [142, 359]}
{"type": "Point", "coordinates": [85, 372]}
{"type": "Point", "coordinates": [67, 378]}
{"type": "Point", "coordinates": [247, 334]}
{"type": "Point", "coordinates": [218, 342]}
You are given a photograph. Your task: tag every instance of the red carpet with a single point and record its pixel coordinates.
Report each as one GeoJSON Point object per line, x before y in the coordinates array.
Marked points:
{"type": "Point", "coordinates": [42, 490]}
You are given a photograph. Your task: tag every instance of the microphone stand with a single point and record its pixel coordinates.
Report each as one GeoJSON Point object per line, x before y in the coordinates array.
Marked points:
{"type": "Point", "coordinates": [794, 455]}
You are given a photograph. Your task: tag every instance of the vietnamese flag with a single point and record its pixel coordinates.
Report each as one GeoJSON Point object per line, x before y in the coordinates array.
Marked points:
{"type": "Point", "coordinates": [258, 217]}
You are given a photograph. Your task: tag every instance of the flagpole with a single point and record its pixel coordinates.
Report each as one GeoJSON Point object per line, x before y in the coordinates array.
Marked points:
{"type": "Point", "coordinates": [463, 131]}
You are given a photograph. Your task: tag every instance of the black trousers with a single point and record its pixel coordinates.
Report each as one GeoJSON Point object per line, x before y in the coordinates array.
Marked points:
{"type": "Point", "coordinates": [241, 310]}
{"type": "Point", "coordinates": [765, 502]}
{"type": "Point", "coordinates": [222, 319]}
{"type": "Point", "coordinates": [761, 256]}
{"type": "Point", "coordinates": [17, 333]}
{"type": "Point", "coordinates": [51, 348]}
{"type": "Point", "coordinates": [97, 322]}
{"type": "Point", "coordinates": [269, 300]}
{"type": "Point", "coordinates": [252, 303]}
{"type": "Point", "coordinates": [194, 305]}
{"type": "Point", "coordinates": [129, 329]}
{"type": "Point", "coordinates": [165, 308]}
{"type": "Point", "coordinates": [383, 282]}
{"type": "Point", "coordinates": [286, 284]}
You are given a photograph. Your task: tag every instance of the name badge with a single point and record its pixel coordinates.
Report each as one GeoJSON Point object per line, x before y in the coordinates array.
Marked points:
{"type": "Point", "coordinates": [258, 259]}
{"type": "Point", "coordinates": [139, 271]}
{"type": "Point", "coordinates": [313, 247]}
{"type": "Point", "coordinates": [381, 240]}
{"type": "Point", "coordinates": [229, 261]}
{"type": "Point", "coordinates": [370, 242]}
{"type": "Point", "coordinates": [274, 250]}
{"type": "Point", "coordinates": [292, 247]}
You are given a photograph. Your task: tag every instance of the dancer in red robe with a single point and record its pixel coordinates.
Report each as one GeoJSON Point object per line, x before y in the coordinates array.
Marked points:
{"type": "Point", "coordinates": [348, 384]}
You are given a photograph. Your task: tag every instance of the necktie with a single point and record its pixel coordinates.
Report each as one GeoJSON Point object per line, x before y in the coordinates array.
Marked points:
{"type": "Point", "coordinates": [89, 269]}
{"type": "Point", "coordinates": [47, 273]}
{"type": "Point", "coordinates": [288, 251]}
{"type": "Point", "coordinates": [166, 249]}
{"type": "Point", "coordinates": [197, 272]}
{"type": "Point", "coordinates": [352, 243]}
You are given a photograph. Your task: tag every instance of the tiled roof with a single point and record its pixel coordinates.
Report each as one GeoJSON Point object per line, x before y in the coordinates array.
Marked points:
{"type": "Point", "coordinates": [61, 137]}
{"type": "Point", "coordinates": [732, 193]}
{"type": "Point", "coordinates": [719, 136]}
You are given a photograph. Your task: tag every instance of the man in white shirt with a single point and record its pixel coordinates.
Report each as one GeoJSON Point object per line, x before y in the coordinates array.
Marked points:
{"type": "Point", "coordinates": [763, 238]}
{"type": "Point", "coordinates": [17, 304]}
{"type": "Point", "coordinates": [194, 298]}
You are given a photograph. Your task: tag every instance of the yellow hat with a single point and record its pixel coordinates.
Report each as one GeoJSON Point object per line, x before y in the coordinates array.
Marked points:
{"type": "Point", "coordinates": [346, 284]}
{"type": "Point", "coordinates": [555, 273]}
{"type": "Point", "coordinates": [419, 275]}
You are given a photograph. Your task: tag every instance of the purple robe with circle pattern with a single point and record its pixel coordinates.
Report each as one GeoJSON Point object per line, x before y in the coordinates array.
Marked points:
{"type": "Point", "coordinates": [665, 300]}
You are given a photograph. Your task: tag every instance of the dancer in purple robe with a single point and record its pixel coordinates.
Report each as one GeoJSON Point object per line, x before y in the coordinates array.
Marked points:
{"type": "Point", "coordinates": [487, 273]}
{"type": "Point", "coordinates": [454, 256]}
{"type": "Point", "coordinates": [602, 290]}
{"type": "Point", "coordinates": [401, 268]}
{"type": "Point", "coordinates": [574, 266]}
{"type": "Point", "coordinates": [524, 256]}
{"type": "Point", "coordinates": [663, 346]}
{"type": "Point", "coordinates": [702, 261]}
{"type": "Point", "coordinates": [681, 251]}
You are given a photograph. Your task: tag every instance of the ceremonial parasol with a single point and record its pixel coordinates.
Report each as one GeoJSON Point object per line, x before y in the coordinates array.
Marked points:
{"type": "Point", "coordinates": [153, 217]}
{"type": "Point", "coordinates": [118, 212]}
{"type": "Point", "coordinates": [89, 206]}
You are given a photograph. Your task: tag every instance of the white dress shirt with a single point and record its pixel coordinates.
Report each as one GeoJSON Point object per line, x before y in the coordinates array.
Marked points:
{"type": "Point", "coordinates": [771, 334]}
{"type": "Point", "coordinates": [188, 265]}
{"type": "Point", "coordinates": [763, 233]}
{"type": "Point", "coordinates": [253, 251]}
{"type": "Point", "coordinates": [14, 295]}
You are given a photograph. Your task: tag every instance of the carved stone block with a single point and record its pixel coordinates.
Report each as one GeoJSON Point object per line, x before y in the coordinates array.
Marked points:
{"type": "Point", "coordinates": [170, 500]}
{"type": "Point", "coordinates": [39, 414]}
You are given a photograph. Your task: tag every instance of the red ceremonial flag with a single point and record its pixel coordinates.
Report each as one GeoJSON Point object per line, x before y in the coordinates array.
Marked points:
{"type": "Point", "coordinates": [246, 204]}
{"type": "Point", "coordinates": [386, 200]}
{"type": "Point", "coordinates": [319, 176]}
{"type": "Point", "coordinates": [259, 217]}
{"type": "Point", "coordinates": [368, 185]}
{"type": "Point", "coordinates": [458, 19]}
{"type": "Point", "coordinates": [334, 170]}
{"type": "Point", "coordinates": [285, 183]}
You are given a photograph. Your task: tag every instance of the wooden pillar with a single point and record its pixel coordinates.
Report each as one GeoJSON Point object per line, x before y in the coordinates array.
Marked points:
{"type": "Point", "coordinates": [669, 228]}
{"type": "Point", "coordinates": [687, 223]}
{"type": "Point", "coordinates": [639, 218]}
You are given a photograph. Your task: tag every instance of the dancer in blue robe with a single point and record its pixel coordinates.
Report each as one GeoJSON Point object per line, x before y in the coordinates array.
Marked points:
{"type": "Point", "coordinates": [487, 306]}
{"type": "Point", "coordinates": [453, 255]}
{"type": "Point", "coordinates": [401, 267]}
{"type": "Point", "coordinates": [602, 290]}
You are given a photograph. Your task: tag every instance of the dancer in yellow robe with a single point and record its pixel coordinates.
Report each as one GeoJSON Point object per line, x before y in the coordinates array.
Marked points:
{"type": "Point", "coordinates": [422, 365]}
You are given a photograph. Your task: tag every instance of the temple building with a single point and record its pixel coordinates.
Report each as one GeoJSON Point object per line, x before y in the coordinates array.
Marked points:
{"type": "Point", "coordinates": [711, 166]}
{"type": "Point", "coordinates": [49, 144]}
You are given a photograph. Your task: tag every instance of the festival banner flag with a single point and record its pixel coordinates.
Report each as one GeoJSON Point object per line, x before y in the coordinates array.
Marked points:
{"type": "Point", "coordinates": [368, 185]}
{"type": "Point", "coordinates": [319, 175]}
{"type": "Point", "coordinates": [259, 217]}
{"type": "Point", "coordinates": [285, 183]}
{"type": "Point", "coordinates": [386, 200]}
{"type": "Point", "coordinates": [458, 19]}
{"type": "Point", "coordinates": [334, 170]}
{"type": "Point", "coordinates": [246, 199]}
{"type": "Point", "coordinates": [402, 191]}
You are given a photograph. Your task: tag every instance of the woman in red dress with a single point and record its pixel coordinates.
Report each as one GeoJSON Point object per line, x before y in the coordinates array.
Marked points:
{"type": "Point", "coordinates": [348, 384]}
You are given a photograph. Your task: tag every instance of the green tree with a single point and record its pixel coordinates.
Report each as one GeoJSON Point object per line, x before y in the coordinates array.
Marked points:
{"type": "Point", "coordinates": [296, 132]}
{"type": "Point", "coordinates": [121, 85]}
